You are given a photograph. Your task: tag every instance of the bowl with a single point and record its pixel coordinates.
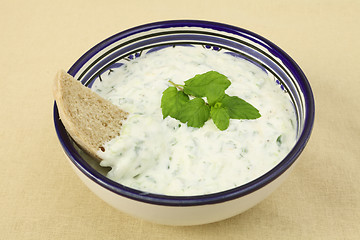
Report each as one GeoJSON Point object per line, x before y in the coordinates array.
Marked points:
{"type": "Point", "coordinates": [199, 209]}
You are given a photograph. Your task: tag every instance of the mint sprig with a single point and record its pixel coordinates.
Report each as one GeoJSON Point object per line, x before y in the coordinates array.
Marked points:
{"type": "Point", "coordinates": [220, 107]}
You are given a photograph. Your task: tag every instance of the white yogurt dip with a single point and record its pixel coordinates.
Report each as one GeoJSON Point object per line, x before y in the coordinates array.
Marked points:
{"type": "Point", "coordinates": [165, 156]}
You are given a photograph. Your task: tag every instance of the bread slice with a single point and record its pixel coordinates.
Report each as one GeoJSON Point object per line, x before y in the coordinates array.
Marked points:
{"type": "Point", "coordinates": [89, 119]}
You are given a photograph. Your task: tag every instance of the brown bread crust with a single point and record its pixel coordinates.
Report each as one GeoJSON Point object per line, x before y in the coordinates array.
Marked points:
{"type": "Point", "coordinates": [89, 119]}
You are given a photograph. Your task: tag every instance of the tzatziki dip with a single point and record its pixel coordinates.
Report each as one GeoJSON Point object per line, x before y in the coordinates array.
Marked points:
{"type": "Point", "coordinates": [165, 156]}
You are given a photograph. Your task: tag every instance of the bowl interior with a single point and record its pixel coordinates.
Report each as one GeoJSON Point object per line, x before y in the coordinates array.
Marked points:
{"type": "Point", "coordinates": [125, 46]}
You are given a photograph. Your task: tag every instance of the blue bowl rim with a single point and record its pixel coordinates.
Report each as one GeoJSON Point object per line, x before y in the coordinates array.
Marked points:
{"type": "Point", "coordinates": [214, 198]}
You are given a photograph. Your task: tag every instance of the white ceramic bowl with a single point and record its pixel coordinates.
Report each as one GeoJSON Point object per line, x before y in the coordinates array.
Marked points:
{"type": "Point", "coordinates": [190, 210]}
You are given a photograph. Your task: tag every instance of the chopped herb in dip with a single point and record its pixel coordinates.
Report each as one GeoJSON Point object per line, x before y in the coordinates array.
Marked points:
{"type": "Point", "coordinates": [187, 154]}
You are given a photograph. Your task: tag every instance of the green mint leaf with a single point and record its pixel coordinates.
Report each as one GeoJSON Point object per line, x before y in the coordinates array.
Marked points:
{"type": "Point", "coordinates": [220, 116]}
{"type": "Point", "coordinates": [175, 102]}
{"type": "Point", "coordinates": [238, 108]}
{"type": "Point", "coordinates": [211, 85]}
{"type": "Point", "coordinates": [195, 113]}
{"type": "Point", "coordinates": [172, 102]}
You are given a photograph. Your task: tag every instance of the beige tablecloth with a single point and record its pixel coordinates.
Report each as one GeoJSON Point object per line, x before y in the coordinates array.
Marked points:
{"type": "Point", "coordinates": [42, 198]}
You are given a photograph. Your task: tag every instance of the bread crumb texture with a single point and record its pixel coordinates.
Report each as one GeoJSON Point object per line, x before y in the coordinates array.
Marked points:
{"type": "Point", "coordinates": [86, 116]}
